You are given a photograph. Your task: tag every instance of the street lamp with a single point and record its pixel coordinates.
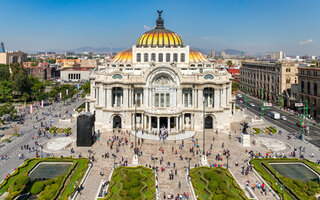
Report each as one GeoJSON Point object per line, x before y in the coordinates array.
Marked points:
{"type": "Point", "coordinates": [203, 131]}
{"type": "Point", "coordinates": [228, 161]}
{"type": "Point", "coordinates": [135, 123]}
{"type": "Point", "coordinates": [114, 160]}
{"type": "Point", "coordinates": [154, 162]}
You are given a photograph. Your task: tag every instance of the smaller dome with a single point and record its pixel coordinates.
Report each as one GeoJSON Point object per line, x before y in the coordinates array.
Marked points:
{"type": "Point", "coordinates": [123, 56]}
{"type": "Point", "coordinates": [196, 56]}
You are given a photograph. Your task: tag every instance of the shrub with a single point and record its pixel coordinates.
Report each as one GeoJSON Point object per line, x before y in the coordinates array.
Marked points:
{"type": "Point", "coordinates": [257, 130]}
{"type": "Point", "coordinates": [37, 187]}
{"type": "Point", "coordinates": [51, 130]}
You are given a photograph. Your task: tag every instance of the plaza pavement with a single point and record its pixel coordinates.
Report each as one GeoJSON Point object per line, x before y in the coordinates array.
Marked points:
{"type": "Point", "coordinates": [151, 147]}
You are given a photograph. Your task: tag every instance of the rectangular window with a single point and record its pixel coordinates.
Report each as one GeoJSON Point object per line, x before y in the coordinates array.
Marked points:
{"type": "Point", "coordinates": [185, 99]}
{"type": "Point", "coordinates": [118, 100]}
{"type": "Point", "coordinates": [206, 96]}
{"type": "Point", "coordinates": [168, 57]}
{"type": "Point", "coordinates": [97, 96]}
{"type": "Point", "coordinates": [138, 99]}
{"type": "Point", "coordinates": [168, 100]}
{"type": "Point", "coordinates": [156, 100]}
{"type": "Point", "coordinates": [162, 100]}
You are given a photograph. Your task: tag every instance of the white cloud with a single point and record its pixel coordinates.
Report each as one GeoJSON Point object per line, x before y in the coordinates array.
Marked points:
{"type": "Point", "coordinates": [146, 27]}
{"type": "Point", "coordinates": [306, 42]}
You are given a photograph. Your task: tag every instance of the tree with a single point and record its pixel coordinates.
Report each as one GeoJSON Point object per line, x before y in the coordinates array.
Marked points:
{"type": "Point", "coordinates": [37, 88]}
{"type": "Point", "coordinates": [229, 63]}
{"type": "Point", "coordinates": [21, 82]}
{"type": "Point", "coordinates": [51, 61]}
{"type": "Point", "coordinates": [34, 64]}
{"type": "Point", "coordinates": [6, 90]}
{"type": "Point", "coordinates": [25, 97]}
{"type": "Point", "coordinates": [86, 88]}
{"type": "Point", "coordinates": [16, 128]}
{"type": "Point", "coordinates": [235, 86]}
{"type": "Point", "coordinates": [4, 73]}
{"type": "Point", "coordinates": [9, 109]}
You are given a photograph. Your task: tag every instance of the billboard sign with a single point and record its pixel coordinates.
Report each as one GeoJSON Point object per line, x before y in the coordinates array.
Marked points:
{"type": "Point", "coordinates": [298, 104]}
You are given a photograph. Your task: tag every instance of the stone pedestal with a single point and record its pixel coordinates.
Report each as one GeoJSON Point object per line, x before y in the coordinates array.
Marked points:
{"type": "Point", "coordinates": [245, 140]}
{"type": "Point", "coordinates": [135, 161]}
{"type": "Point", "coordinates": [204, 161]}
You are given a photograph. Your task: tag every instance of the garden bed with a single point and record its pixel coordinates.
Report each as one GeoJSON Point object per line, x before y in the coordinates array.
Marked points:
{"type": "Point", "coordinates": [215, 183]}
{"type": "Point", "coordinates": [19, 182]}
{"type": "Point", "coordinates": [284, 186]}
{"type": "Point", "coordinates": [132, 183]}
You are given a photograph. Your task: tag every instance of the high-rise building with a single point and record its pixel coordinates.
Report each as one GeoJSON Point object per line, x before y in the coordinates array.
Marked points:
{"type": "Point", "coordinates": [2, 50]}
{"type": "Point", "coordinates": [213, 54]}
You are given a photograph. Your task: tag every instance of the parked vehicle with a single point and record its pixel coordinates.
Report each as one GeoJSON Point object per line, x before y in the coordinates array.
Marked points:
{"type": "Point", "coordinates": [301, 125]}
{"type": "Point", "coordinates": [283, 117]}
{"type": "Point", "coordinates": [274, 115]}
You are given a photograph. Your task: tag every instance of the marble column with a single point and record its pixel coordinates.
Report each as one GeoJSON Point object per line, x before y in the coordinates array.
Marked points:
{"type": "Point", "coordinates": [150, 123]}
{"type": "Point", "coordinates": [168, 122]}
{"type": "Point", "coordinates": [145, 97]}
{"type": "Point", "coordinates": [216, 98]}
{"type": "Point", "coordinates": [177, 123]}
{"type": "Point", "coordinates": [200, 98]}
{"type": "Point", "coordinates": [179, 99]}
{"type": "Point", "coordinates": [180, 124]}
{"type": "Point", "coordinates": [125, 98]}
{"type": "Point", "coordinates": [109, 98]}
{"type": "Point", "coordinates": [86, 106]}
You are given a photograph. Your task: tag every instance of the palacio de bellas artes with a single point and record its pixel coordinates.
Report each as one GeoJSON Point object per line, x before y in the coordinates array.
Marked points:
{"type": "Point", "coordinates": [160, 83]}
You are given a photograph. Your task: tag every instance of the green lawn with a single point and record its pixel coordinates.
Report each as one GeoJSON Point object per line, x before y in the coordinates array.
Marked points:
{"type": "Point", "coordinates": [56, 188]}
{"type": "Point", "coordinates": [292, 189]}
{"type": "Point", "coordinates": [215, 183]}
{"type": "Point", "coordinates": [132, 183]}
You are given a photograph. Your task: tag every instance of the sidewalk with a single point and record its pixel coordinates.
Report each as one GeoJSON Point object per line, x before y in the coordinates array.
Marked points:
{"type": "Point", "coordinates": [182, 136]}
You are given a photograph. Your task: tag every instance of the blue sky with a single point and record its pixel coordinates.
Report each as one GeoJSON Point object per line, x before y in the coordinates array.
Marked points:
{"type": "Point", "coordinates": [249, 25]}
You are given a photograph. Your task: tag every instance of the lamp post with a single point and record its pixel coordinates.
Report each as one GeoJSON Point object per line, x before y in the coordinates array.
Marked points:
{"type": "Point", "coordinates": [228, 161]}
{"type": "Point", "coordinates": [114, 160]}
{"type": "Point", "coordinates": [203, 131]}
{"type": "Point", "coordinates": [189, 159]}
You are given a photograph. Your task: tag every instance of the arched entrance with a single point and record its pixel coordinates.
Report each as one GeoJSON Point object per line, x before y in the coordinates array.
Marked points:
{"type": "Point", "coordinates": [208, 122]}
{"type": "Point", "coordinates": [117, 122]}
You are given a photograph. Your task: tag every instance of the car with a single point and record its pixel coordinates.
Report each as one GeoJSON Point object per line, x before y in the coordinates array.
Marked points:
{"type": "Point", "coordinates": [252, 105]}
{"type": "Point", "coordinates": [301, 125]}
{"type": "Point", "coordinates": [283, 117]}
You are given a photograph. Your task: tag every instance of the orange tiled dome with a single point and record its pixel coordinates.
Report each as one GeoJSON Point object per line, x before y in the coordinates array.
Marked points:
{"type": "Point", "coordinates": [123, 56]}
{"type": "Point", "coordinates": [196, 56]}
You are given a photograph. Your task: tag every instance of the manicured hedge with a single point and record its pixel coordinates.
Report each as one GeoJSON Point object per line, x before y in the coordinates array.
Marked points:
{"type": "Point", "coordinates": [52, 188]}
{"type": "Point", "coordinates": [293, 189]}
{"type": "Point", "coordinates": [132, 183]}
{"type": "Point", "coordinates": [257, 130]}
{"type": "Point", "coordinates": [215, 183]}
{"type": "Point", "coordinates": [37, 187]}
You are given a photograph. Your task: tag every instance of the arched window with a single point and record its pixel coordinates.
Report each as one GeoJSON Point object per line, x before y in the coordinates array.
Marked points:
{"type": "Point", "coordinates": [160, 57]}
{"type": "Point", "coordinates": [168, 57]}
{"type": "Point", "coordinates": [208, 124]}
{"type": "Point", "coordinates": [138, 57]}
{"type": "Point", "coordinates": [308, 88]}
{"type": "Point", "coordinates": [182, 57]}
{"type": "Point", "coordinates": [117, 122]}
{"type": "Point", "coordinates": [128, 65]}
{"type": "Point", "coordinates": [315, 89]}
{"type": "Point", "coordinates": [153, 57]}
{"type": "Point", "coordinates": [146, 57]}
{"type": "Point", "coordinates": [121, 65]}
{"type": "Point", "coordinates": [175, 57]}
{"type": "Point", "coordinates": [113, 65]}
{"type": "Point", "coordinates": [117, 76]}
{"type": "Point", "coordinates": [208, 76]}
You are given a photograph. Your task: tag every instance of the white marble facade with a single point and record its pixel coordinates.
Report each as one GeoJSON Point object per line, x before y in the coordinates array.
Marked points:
{"type": "Point", "coordinates": [148, 94]}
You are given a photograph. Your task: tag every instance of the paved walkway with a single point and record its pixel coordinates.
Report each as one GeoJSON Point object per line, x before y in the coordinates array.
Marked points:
{"type": "Point", "coordinates": [181, 136]}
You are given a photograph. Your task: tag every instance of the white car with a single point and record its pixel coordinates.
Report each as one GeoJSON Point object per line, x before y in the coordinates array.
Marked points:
{"type": "Point", "coordinates": [283, 117]}
{"type": "Point", "coordinates": [252, 105]}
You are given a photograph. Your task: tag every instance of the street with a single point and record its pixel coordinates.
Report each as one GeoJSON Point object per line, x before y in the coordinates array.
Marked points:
{"type": "Point", "coordinates": [290, 124]}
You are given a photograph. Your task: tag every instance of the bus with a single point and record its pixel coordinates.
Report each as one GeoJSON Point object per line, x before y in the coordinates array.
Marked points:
{"type": "Point", "coordinates": [274, 115]}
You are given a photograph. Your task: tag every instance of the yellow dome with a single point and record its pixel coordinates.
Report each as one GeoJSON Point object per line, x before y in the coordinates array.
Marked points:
{"type": "Point", "coordinates": [159, 37]}
{"type": "Point", "coordinates": [196, 56]}
{"type": "Point", "coordinates": [123, 56]}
